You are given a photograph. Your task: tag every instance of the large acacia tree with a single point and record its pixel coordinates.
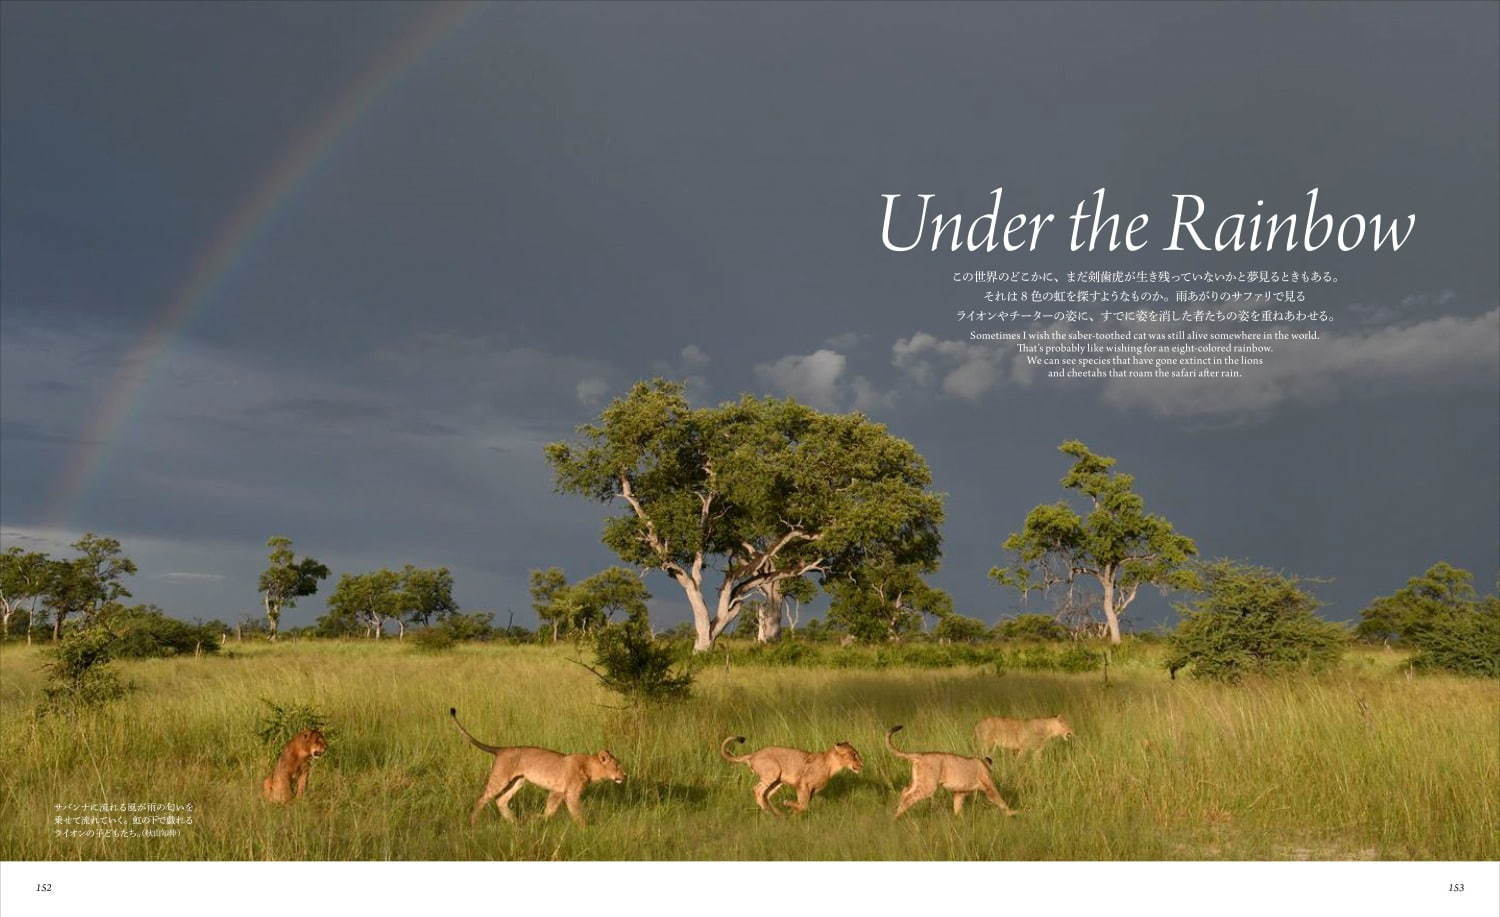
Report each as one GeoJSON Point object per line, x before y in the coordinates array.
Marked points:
{"type": "Point", "coordinates": [755, 493]}
{"type": "Point", "coordinates": [1117, 544]}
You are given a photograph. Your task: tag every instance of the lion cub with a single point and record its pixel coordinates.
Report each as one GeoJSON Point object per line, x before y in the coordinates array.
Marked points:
{"type": "Point", "coordinates": [563, 776]}
{"type": "Point", "coordinates": [1021, 736]}
{"type": "Point", "coordinates": [957, 774]}
{"type": "Point", "coordinates": [807, 772]}
{"type": "Point", "coordinates": [289, 778]}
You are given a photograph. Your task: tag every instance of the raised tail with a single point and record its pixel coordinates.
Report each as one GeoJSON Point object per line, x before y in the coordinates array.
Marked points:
{"type": "Point", "coordinates": [892, 746]}
{"type": "Point", "coordinates": [724, 751]}
{"type": "Point", "coordinates": [492, 749]}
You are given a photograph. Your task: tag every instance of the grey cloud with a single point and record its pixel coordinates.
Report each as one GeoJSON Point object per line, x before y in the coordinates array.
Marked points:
{"type": "Point", "coordinates": [180, 577]}
{"type": "Point", "coordinates": [1447, 351]}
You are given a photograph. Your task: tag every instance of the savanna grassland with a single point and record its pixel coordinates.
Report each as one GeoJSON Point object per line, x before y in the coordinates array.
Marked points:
{"type": "Point", "coordinates": [1363, 763]}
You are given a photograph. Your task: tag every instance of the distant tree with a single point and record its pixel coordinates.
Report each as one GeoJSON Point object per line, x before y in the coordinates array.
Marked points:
{"type": "Point", "coordinates": [425, 596]}
{"type": "Point", "coordinates": [1033, 627]}
{"type": "Point", "coordinates": [1423, 602]}
{"type": "Point", "coordinates": [885, 601]}
{"type": "Point", "coordinates": [764, 491]}
{"type": "Point", "coordinates": [364, 602]}
{"type": "Point", "coordinates": [88, 582]}
{"type": "Point", "coordinates": [587, 605]}
{"type": "Point", "coordinates": [547, 599]}
{"type": "Point", "coordinates": [24, 577]}
{"type": "Point", "coordinates": [287, 579]}
{"type": "Point", "coordinates": [1442, 616]}
{"type": "Point", "coordinates": [1118, 544]}
{"type": "Point", "coordinates": [1252, 621]}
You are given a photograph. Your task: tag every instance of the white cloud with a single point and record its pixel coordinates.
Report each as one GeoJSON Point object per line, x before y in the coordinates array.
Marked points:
{"type": "Point", "coordinates": [811, 378]}
{"type": "Point", "coordinates": [963, 369]}
{"type": "Point", "coordinates": [693, 356]}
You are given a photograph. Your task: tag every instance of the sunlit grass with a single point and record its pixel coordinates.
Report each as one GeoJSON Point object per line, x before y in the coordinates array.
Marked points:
{"type": "Point", "coordinates": [1365, 763]}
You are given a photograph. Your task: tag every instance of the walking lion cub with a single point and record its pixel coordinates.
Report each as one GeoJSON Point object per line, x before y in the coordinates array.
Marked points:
{"type": "Point", "coordinates": [1020, 736]}
{"type": "Point", "coordinates": [959, 775]}
{"type": "Point", "coordinates": [563, 776]}
{"type": "Point", "coordinates": [807, 772]}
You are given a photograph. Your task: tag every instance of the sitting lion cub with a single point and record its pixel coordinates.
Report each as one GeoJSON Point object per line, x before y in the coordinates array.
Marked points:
{"type": "Point", "coordinates": [807, 772]}
{"type": "Point", "coordinates": [1021, 736]}
{"type": "Point", "coordinates": [563, 776]}
{"type": "Point", "coordinates": [289, 778]}
{"type": "Point", "coordinates": [957, 774]}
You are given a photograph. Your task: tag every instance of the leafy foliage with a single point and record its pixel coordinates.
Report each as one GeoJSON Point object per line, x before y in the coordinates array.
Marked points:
{"type": "Point", "coordinates": [282, 721]}
{"type": "Point", "coordinates": [1252, 621]}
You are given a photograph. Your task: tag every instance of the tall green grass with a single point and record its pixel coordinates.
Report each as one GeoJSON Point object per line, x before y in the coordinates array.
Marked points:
{"type": "Point", "coordinates": [1363, 763]}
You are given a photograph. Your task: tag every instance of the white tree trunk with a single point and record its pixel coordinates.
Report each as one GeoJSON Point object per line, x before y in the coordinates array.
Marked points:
{"type": "Point", "coordinates": [273, 614]}
{"type": "Point", "coordinates": [1111, 614]}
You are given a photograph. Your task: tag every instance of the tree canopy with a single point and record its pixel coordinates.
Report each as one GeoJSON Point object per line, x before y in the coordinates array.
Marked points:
{"type": "Point", "coordinates": [761, 490]}
{"type": "Point", "coordinates": [1117, 544]}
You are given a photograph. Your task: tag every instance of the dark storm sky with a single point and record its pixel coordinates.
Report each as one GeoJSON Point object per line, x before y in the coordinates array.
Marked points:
{"type": "Point", "coordinates": [555, 200]}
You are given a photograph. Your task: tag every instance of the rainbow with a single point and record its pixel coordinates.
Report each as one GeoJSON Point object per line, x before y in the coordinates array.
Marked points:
{"type": "Point", "coordinates": [232, 239]}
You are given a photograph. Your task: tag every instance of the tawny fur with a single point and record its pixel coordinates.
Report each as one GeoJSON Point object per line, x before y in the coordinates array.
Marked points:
{"type": "Point", "coordinates": [563, 776]}
{"type": "Point", "coordinates": [289, 778]}
{"type": "Point", "coordinates": [959, 775]}
{"type": "Point", "coordinates": [807, 772]}
{"type": "Point", "coordinates": [1027, 737]}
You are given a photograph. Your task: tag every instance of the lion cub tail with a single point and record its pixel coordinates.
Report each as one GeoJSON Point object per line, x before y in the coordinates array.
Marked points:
{"type": "Point", "coordinates": [892, 746]}
{"type": "Point", "coordinates": [492, 749]}
{"type": "Point", "coordinates": [724, 750]}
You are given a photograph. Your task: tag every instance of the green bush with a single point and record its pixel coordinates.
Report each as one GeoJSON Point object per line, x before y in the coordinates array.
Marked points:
{"type": "Point", "coordinates": [282, 721]}
{"type": "Point", "coordinates": [959, 629]}
{"type": "Point", "coordinates": [630, 663]}
{"type": "Point", "coordinates": [475, 626]}
{"type": "Point", "coordinates": [433, 639]}
{"type": "Point", "coordinates": [1252, 621]}
{"type": "Point", "coordinates": [1031, 627]}
{"type": "Point", "coordinates": [78, 676]}
{"type": "Point", "coordinates": [145, 632]}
